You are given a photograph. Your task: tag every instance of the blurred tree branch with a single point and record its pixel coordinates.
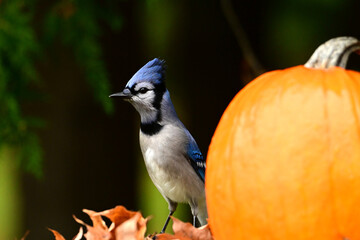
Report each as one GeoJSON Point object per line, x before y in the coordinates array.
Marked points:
{"type": "Point", "coordinates": [241, 37]}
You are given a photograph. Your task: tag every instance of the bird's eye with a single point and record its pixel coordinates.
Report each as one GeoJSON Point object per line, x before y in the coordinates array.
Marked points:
{"type": "Point", "coordinates": [143, 90]}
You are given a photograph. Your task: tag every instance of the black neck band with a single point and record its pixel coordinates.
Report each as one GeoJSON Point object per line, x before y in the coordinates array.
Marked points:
{"type": "Point", "coordinates": [154, 127]}
{"type": "Point", "coordinates": [150, 128]}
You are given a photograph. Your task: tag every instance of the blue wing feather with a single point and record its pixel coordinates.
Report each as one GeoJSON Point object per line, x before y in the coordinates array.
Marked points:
{"type": "Point", "coordinates": [196, 160]}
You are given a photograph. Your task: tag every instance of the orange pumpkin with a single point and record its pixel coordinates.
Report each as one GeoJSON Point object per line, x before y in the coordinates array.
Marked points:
{"type": "Point", "coordinates": [284, 162]}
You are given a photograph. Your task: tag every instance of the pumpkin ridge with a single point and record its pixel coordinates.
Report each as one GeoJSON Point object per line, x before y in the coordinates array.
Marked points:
{"type": "Point", "coordinates": [330, 150]}
{"type": "Point", "coordinates": [346, 79]}
{"type": "Point", "coordinates": [279, 110]}
{"type": "Point", "coordinates": [355, 110]}
{"type": "Point", "coordinates": [246, 110]}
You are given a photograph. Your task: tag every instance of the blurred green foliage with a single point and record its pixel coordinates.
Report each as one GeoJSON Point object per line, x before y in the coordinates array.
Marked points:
{"type": "Point", "coordinates": [295, 28]}
{"type": "Point", "coordinates": [77, 24]}
{"type": "Point", "coordinates": [18, 49]}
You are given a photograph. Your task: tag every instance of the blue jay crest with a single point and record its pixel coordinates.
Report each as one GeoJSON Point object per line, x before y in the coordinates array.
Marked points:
{"type": "Point", "coordinates": [153, 72]}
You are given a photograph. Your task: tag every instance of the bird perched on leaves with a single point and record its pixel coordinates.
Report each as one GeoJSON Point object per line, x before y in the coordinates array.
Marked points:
{"type": "Point", "coordinates": [172, 157]}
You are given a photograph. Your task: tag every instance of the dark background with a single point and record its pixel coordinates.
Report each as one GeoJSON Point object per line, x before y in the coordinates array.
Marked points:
{"type": "Point", "coordinates": [92, 159]}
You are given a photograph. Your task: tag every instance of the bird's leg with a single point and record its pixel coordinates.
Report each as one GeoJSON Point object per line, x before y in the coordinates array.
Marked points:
{"type": "Point", "coordinates": [194, 211]}
{"type": "Point", "coordinates": [172, 208]}
{"type": "Point", "coordinates": [167, 221]}
{"type": "Point", "coordinates": [194, 220]}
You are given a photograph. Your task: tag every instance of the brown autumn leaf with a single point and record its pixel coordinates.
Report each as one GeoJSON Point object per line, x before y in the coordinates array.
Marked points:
{"type": "Point", "coordinates": [99, 231]}
{"type": "Point", "coordinates": [79, 235]}
{"type": "Point", "coordinates": [167, 236]}
{"type": "Point", "coordinates": [125, 225]}
{"type": "Point", "coordinates": [96, 219]}
{"type": "Point", "coordinates": [130, 225]}
{"type": "Point", "coordinates": [186, 231]}
{"type": "Point", "coordinates": [132, 229]}
{"type": "Point", "coordinates": [57, 235]}
{"type": "Point", "coordinates": [118, 215]}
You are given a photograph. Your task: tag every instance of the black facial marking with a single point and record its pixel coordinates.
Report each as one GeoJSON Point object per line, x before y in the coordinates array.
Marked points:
{"type": "Point", "coordinates": [159, 90]}
{"type": "Point", "coordinates": [141, 90]}
{"type": "Point", "coordinates": [132, 89]}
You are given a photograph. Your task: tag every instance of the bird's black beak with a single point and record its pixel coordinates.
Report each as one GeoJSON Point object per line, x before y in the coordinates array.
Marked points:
{"type": "Point", "coordinates": [125, 94]}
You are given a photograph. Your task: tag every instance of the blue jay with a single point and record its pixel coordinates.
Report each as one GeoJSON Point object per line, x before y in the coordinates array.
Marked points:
{"type": "Point", "coordinates": [172, 157]}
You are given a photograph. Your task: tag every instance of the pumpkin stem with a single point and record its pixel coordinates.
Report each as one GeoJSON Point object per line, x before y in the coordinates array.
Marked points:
{"type": "Point", "coordinates": [334, 52]}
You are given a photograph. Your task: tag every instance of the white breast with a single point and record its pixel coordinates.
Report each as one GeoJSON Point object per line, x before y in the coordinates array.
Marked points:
{"type": "Point", "coordinates": [167, 165]}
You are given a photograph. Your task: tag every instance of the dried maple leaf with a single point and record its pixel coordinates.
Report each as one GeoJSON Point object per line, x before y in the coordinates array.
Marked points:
{"type": "Point", "coordinates": [125, 225]}
{"type": "Point", "coordinates": [129, 225]}
{"type": "Point", "coordinates": [96, 232]}
{"type": "Point", "coordinates": [132, 229]}
{"type": "Point", "coordinates": [118, 215]}
{"type": "Point", "coordinates": [166, 236]}
{"type": "Point", "coordinates": [57, 235]}
{"type": "Point", "coordinates": [186, 231]}
{"type": "Point", "coordinates": [96, 219]}
{"type": "Point", "coordinates": [79, 235]}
